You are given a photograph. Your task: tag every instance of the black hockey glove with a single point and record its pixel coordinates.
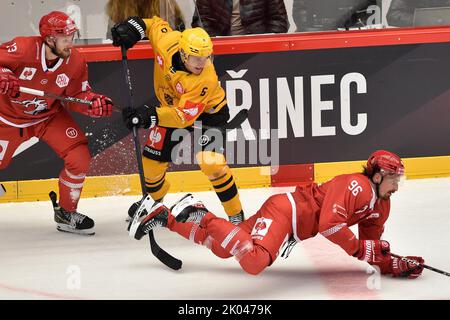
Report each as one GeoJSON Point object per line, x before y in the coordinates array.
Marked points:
{"type": "Point", "coordinates": [129, 32]}
{"type": "Point", "coordinates": [141, 117]}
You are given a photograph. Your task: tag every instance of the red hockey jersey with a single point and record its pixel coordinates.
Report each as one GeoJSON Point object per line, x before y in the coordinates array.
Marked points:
{"type": "Point", "coordinates": [25, 57]}
{"type": "Point", "coordinates": [331, 208]}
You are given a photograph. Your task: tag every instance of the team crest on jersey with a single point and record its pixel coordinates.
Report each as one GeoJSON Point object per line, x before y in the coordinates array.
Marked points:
{"type": "Point", "coordinates": [261, 228]}
{"type": "Point", "coordinates": [27, 73]}
{"type": "Point", "coordinates": [62, 80]}
{"type": "Point", "coordinates": [179, 88]}
{"type": "Point", "coordinates": [3, 147]}
{"type": "Point", "coordinates": [33, 106]}
{"type": "Point", "coordinates": [160, 61]}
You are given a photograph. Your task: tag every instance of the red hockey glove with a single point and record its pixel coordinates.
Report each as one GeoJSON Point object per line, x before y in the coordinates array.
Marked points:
{"type": "Point", "coordinates": [411, 270]}
{"type": "Point", "coordinates": [9, 84]}
{"type": "Point", "coordinates": [101, 106]}
{"type": "Point", "coordinates": [375, 252]}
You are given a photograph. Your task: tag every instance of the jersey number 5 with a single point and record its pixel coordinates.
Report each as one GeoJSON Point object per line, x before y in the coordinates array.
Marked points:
{"type": "Point", "coordinates": [203, 92]}
{"type": "Point", "coordinates": [354, 187]}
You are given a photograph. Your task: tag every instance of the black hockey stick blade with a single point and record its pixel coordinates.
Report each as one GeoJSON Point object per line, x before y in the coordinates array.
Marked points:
{"type": "Point", "coordinates": [233, 124]}
{"type": "Point", "coordinates": [163, 256]}
{"type": "Point", "coordinates": [237, 120]}
{"type": "Point", "coordinates": [54, 198]}
{"type": "Point", "coordinates": [146, 205]}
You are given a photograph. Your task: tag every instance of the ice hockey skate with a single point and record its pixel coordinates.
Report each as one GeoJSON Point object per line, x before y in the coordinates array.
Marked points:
{"type": "Point", "coordinates": [72, 222]}
{"type": "Point", "coordinates": [157, 216]}
{"type": "Point", "coordinates": [132, 210]}
{"type": "Point", "coordinates": [189, 209]}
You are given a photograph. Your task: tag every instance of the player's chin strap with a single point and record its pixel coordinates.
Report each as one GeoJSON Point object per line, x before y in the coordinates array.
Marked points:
{"type": "Point", "coordinates": [378, 185]}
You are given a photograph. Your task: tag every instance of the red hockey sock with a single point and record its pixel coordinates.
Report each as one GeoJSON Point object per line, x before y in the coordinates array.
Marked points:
{"type": "Point", "coordinates": [197, 234]}
{"type": "Point", "coordinates": [70, 186]}
{"type": "Point", "coordinates": [188, 230]}
{"type": "Point", "coordinates": [252, 258]}
{"type": "Point", "coordinates": [71, 178]}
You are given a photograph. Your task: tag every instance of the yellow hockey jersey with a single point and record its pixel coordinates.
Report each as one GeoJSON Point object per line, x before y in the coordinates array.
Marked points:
{"type": "Point", "coordinates": [183, 96]}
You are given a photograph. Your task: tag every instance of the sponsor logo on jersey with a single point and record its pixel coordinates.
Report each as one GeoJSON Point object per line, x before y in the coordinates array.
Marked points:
{"type": "Point", "coordinates": [179, 88]}
{"type": "Point", "coordinates": [160, 61]}
{"type": "Point", "coordinates": [71, 132]}
{"type": "Point", "coordinates": [203, 140]}
{"type": "Point", "coordinates": [27, 73]}
{"type": "Point", "coordinates": [62, 80]}
{"type": "Point", "coordinates": [191, 110]}
{"type": "Point", "coordinates": [3, 147]}
{"type": "Point", "coordinates": [261, 228]}
{"type": "Point", "coordinates": [156, 138]}
{"type": "Point", "coordinates": [149, 150]}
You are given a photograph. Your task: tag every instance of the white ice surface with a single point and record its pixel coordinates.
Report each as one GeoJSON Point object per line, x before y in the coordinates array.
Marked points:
{"type": "Point", "coordinates": [38, 262]}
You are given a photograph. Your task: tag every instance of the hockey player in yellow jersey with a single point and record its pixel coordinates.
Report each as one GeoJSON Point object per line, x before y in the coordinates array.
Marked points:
{"type": "Point", "coordinates": [188, 90]}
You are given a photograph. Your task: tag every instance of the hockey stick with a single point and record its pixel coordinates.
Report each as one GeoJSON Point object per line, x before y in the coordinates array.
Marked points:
{"type": "Point", "coordinates": [40, 93]}
{"type": "Point", "coordinates": [233, 124]}
{"type": "Point", "coordinates": [421, 264]}
{"type": "Point", "coordinates": [159, 253]}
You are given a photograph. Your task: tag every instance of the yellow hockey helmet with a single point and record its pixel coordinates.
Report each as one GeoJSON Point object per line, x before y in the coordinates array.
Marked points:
{"type": "Point", "coordinates": [196, 42]}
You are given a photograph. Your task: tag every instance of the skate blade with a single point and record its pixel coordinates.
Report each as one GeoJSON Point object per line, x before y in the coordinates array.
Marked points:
{"type": "Point", "coordinates": [183, 202]}
{"type": "Point", "coordinates": [64, 228]}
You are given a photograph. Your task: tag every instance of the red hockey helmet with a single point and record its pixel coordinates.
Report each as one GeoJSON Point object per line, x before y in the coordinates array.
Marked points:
{"type": "Point", "coordinates": [387, 162]}
{"type": "Point", "coordinates": [57, 23]}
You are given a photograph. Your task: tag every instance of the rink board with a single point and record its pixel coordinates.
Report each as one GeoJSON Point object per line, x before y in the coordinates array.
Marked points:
{"type": "Point", "coordinates": [194, 181]}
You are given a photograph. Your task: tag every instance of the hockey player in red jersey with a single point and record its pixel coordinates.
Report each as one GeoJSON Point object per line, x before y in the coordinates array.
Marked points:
{"type": "Point", "coordinates": [284, 219]}
{"type": "Point", "coordinates": [50, 63]}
